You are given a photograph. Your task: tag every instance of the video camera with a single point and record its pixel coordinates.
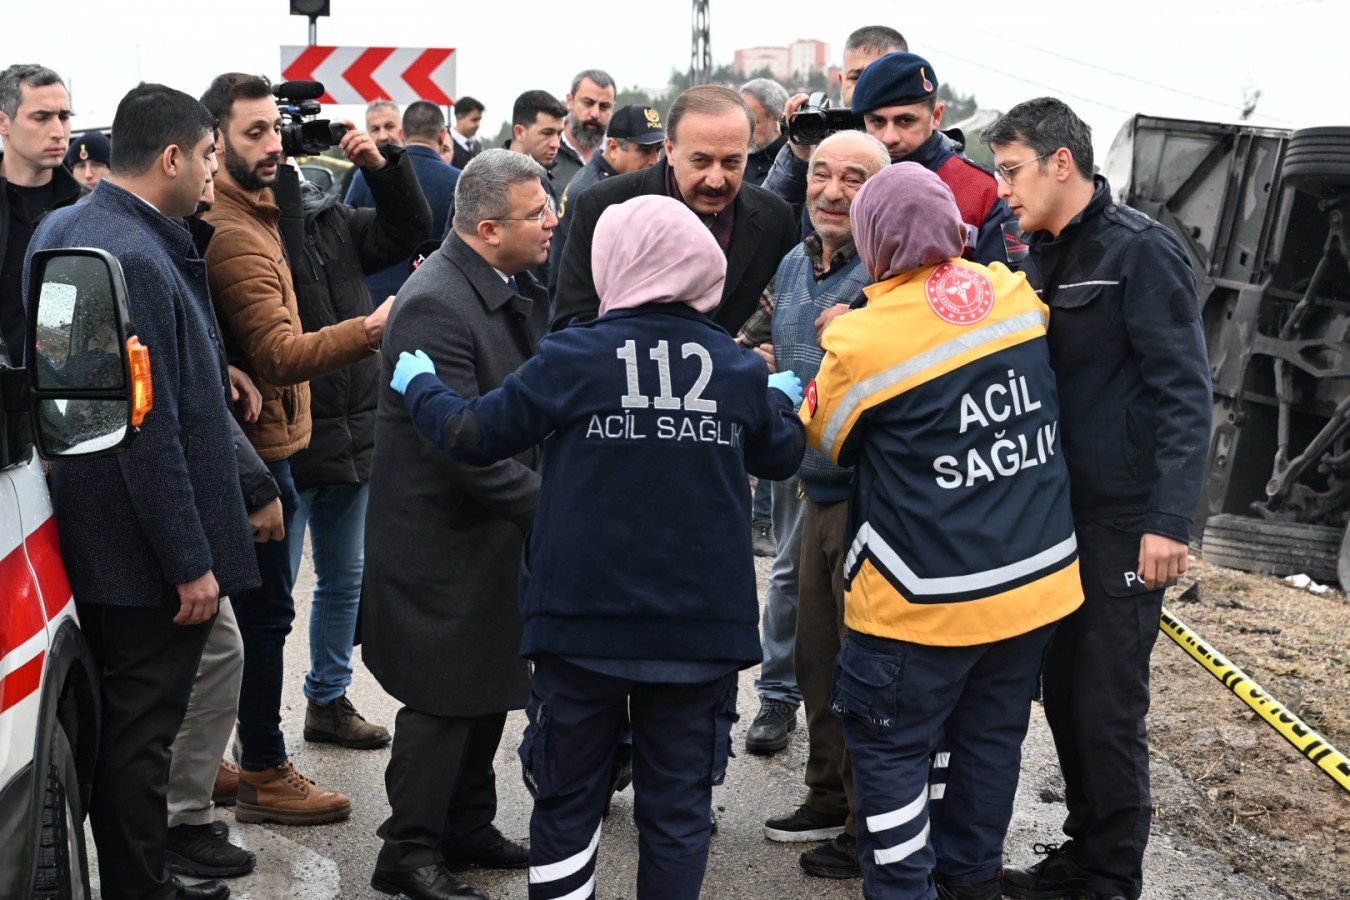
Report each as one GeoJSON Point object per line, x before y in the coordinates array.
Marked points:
{"type": "Point", "coordinates": [815, 121]}
{"type": "Point", "coordinates": [304, 135]}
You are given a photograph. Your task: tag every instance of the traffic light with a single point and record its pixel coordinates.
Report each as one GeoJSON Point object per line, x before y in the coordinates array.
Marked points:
{"type": "Point", "coordinates": [311, 8]}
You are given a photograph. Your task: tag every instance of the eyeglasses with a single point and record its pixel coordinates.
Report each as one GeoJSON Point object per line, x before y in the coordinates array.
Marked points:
{"type": "Point", "coordinates": [1005, 173]}
{"type": "Point", "coordinates": [539, 218]}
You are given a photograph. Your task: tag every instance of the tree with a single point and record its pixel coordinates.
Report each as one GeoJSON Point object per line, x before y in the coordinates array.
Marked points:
{"type": "Point", "coordinates": [503, 135]}
{"type": "Point", "coordinates": [1251, 95]}
{"type": "Point", "coordinates": [959, 106]}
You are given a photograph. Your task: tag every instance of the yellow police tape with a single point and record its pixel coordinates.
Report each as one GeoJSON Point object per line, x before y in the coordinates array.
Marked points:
{"type": "Point", "coordinates": [1305, 739]}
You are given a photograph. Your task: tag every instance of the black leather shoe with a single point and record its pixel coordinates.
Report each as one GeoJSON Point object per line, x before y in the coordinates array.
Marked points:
{"type": "Point", "coordinates": [983, 890]}
{"type": "Point", "coordinates": [494, 851]}
{"type": "Point", "coordinates": [1055, 876]}
{"type": "Point", "coordinates": [426, 883]}
{"type": "Point", "coordinates": [772, 728]}
{"type": "Point", "coordinates": [207, 890]}
{"type": "Point", "coordinates": [837, 859]}
{"type": "Point", "coordinates": [196, 850]}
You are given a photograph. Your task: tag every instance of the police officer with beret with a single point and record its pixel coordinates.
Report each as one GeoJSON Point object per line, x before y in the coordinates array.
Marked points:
{"type": "Point", "coordinates": [89, 157]}
{"type": "Point", "coordinates": [897, 97]}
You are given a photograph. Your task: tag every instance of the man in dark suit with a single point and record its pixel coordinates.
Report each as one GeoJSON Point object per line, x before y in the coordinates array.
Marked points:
{"type": "Point", "coordinates": [441, 630]}
{"type": "Point", "coordinates": [707, 143]}
{"type": "Point", "coordinates": [464, 136]}
{"type": "Point", "coordinates": [153, 538]}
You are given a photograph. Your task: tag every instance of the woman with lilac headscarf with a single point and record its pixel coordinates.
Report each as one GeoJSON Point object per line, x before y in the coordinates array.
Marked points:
{"type": "Point", "coordinates": [638, 590]}
{"type": "Point", "coordinates": [962, 549]}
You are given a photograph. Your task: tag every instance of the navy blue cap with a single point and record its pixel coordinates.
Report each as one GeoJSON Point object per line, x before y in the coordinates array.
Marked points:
{"type": "Point", "coordinates": [897, 79]}
{"type": "Point", "coordinates": [636, 123]}
{"type": "Point", "coordinates": [92, 145]}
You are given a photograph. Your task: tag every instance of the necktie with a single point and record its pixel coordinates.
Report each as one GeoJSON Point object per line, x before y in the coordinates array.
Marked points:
{"type": "Point", "coordinates": [472, 146]}
{"type": "Point", "coordinates": [511, 283]}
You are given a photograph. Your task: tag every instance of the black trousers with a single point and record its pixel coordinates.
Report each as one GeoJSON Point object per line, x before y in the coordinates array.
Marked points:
{"type": "Point", "coordinates": [1096, 695]}
{"type": "Point", "coordinates": [441, 785]}
{"type": "Point", "coordinates": [146, 666]}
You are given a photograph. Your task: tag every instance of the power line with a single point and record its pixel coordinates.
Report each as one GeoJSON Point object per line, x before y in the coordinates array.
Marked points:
{"type": "Point", "coordinates": [1253, 8]}
{"type": "Point", "coordinates": [1041, 84]}
{"type": "Point", "coordinates": [1109, 71]}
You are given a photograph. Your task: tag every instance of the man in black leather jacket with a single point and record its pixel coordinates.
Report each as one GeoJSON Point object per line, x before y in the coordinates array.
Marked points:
{"type": "Point", "coordinates": [1128, 349]}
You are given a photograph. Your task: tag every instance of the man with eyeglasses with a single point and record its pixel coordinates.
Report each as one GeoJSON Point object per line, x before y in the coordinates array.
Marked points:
{"type": "Point", "coordinates": [441, 629]}
{"type": "Point", "coordinates": [898, 100]}
{"type": "Point", "coordinates": [1128, 349]}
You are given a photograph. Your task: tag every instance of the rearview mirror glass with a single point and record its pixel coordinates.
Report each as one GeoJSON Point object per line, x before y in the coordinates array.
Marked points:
{"type": "Point", "coordinates": [79, 362]}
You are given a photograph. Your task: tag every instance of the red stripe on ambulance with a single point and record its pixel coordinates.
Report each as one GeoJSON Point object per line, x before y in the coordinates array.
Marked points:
{"type": "Point", "coordinates": [22, 682]}
{"type": "Point", "coordinates": [44, 552]}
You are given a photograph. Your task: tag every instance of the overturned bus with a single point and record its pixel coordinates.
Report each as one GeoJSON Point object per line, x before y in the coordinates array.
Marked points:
{"type": "Point", "coordinates": [1265, 216]}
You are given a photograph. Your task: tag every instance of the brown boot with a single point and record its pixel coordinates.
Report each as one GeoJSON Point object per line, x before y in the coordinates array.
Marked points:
{"type": "Point", "coordinates": [284, 796]}
{"type": "Point", "coordinates": [339, 723]}
{"type": "Point", "coordinates": [226, 790]}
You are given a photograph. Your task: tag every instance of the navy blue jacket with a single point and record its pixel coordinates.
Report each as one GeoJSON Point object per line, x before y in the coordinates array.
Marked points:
{"type": "Point", "coordinates": [1128, 348]}
{"type": "Point", "coordinates": [170, 508]}
{"type": "Point", "coordinates": [438, 180]}
{"type": "Point", "coordinates": [639, 548]}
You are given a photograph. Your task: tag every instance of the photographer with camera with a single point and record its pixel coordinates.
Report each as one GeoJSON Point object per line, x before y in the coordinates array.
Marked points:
{"type": "Point", "coordinates": [787, 176]}
{"type": "Point", "coordinates": [255, 291]}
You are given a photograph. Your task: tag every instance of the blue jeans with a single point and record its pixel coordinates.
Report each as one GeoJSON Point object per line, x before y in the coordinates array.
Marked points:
{"type": "Point", "coordinates": [265, 615]}
{"type": "Point", "coordinates": [760, 501]}
{"type": "Point", "coordinates": [777, 676]}
{"type": "Point", "coordinates": [336, 516]}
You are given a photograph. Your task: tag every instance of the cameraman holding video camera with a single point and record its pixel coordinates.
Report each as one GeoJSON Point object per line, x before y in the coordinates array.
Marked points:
{"type": "Point", "coordinates": [289, 323]}
{"type": "Point", "coordinates": [894, 97]}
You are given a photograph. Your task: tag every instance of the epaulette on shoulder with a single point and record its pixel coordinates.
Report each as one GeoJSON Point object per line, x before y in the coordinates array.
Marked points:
{"type": "Point", "coordinates": [1129, 217]}
{"type": "Point", "coordinates": [976, 164]}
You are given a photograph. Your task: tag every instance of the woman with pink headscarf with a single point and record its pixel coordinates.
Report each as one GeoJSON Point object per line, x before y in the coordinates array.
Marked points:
{"type": "Point", "coordinates": [638, 590]}
{"type": "Point", "coordinates": [962, 552]}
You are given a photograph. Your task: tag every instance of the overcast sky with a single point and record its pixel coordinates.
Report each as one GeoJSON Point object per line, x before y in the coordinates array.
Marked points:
{"type": "Point", "coordinates": [1184, 58]}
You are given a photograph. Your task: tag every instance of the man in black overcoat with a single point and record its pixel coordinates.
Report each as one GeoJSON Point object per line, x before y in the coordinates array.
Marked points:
{"type": "Point", "coordinates": [707, 144]}
{"type": "Point", "coordinates": [440, 625]}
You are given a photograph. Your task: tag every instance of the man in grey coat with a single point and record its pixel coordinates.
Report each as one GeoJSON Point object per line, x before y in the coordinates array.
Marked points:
{"type": "Point", "coordinates": [441, 628]}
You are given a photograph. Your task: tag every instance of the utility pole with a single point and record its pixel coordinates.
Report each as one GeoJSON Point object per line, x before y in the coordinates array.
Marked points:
{"type": "Point", "coordinates": [312, 9]}
{"type": "Point", "coordinates": [700, 56]}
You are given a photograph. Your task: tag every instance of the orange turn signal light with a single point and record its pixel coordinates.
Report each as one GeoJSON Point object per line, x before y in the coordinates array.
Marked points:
{"type": "Point", "coordinates": [142, 392]}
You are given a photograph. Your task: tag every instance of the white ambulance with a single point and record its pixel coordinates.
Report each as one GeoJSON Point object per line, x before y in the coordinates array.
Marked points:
{"type": "Point", "coordinates": [83, 391]}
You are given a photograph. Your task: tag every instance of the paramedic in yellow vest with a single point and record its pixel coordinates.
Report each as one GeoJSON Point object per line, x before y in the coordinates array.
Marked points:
{"type": "Point", "coordinates": [962, 551]}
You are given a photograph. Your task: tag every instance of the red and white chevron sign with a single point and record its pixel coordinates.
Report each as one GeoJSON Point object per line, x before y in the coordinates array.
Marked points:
{"type": "Point", "coordinates": [362, 74]}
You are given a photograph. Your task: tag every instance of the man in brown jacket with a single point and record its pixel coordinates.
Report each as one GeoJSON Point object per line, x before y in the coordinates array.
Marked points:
{"type": "Point", "coordinates": [254, 295]}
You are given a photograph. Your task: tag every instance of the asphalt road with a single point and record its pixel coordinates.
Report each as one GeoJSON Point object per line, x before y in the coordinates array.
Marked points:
{"type": "Point", "coordinates": [335, 861]}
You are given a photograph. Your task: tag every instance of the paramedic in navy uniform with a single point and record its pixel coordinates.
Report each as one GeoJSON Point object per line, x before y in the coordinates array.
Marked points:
{"type": "Point", "coordinates": [648, 607]}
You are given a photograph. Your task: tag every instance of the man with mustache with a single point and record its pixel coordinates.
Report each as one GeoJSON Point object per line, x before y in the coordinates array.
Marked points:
{"type": "Point", "coordinates": [804, 608]}
{"type": "Point", "coordinates": [708, 135]}
{"type": "Point", "coordinates": [590, 104]}
{"type": "Point", "coordinates": [254, 293]}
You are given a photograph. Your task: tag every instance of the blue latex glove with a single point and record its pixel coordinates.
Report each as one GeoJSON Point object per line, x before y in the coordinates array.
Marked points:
{"type": "Point", "coordinates": [411, 365]}
{"type": "Point", "coordinates": [788, 383]}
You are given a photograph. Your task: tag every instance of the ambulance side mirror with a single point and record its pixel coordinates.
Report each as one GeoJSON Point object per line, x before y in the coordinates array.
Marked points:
{"type": "Point", "coordinates": [89, 378]}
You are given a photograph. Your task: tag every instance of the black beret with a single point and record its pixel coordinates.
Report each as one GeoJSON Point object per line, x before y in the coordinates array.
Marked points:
{"type": "Point", "coordinates": [897, 79]}
{"type": "Point", "coordinates": [92, 145]}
